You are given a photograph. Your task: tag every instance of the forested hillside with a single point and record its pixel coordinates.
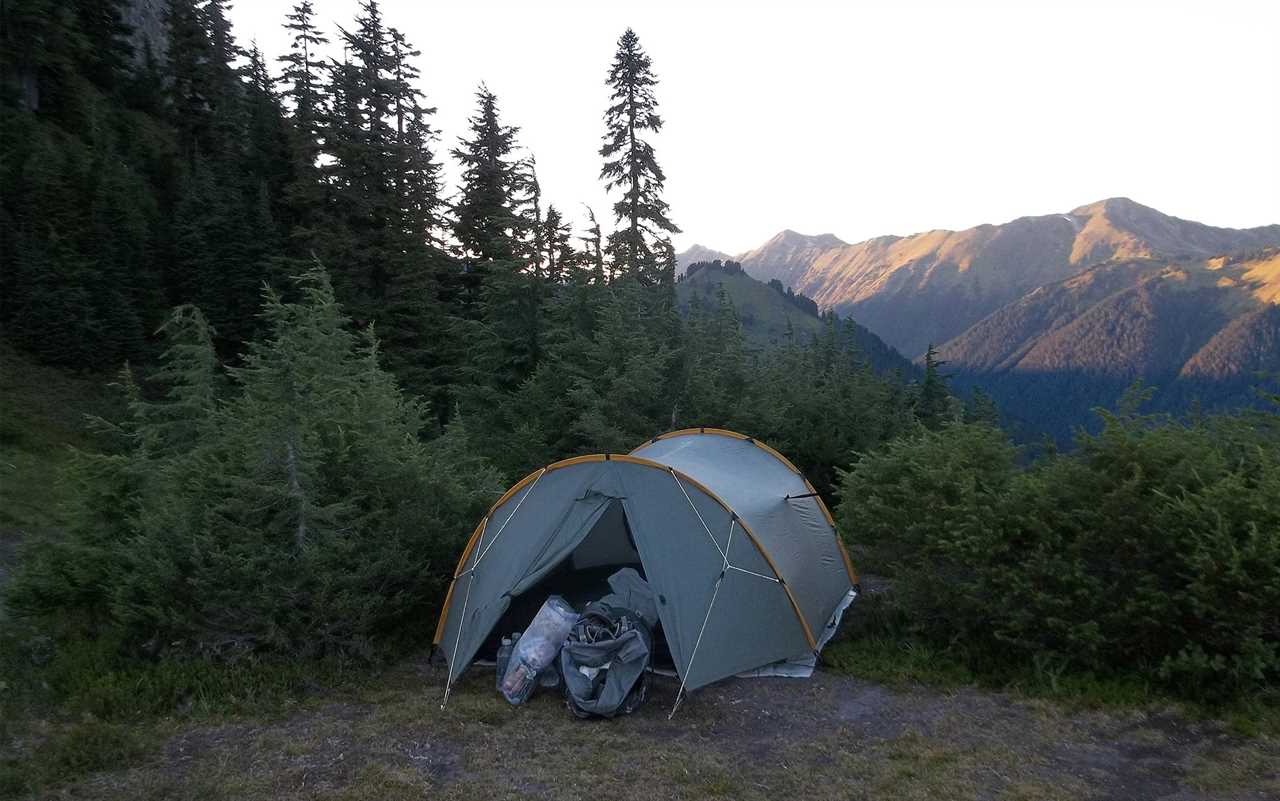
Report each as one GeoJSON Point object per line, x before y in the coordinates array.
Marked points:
{"type": "Point", "coordinates": [264, 246]}
{"type": "Point", "coordinates": [771, 315]}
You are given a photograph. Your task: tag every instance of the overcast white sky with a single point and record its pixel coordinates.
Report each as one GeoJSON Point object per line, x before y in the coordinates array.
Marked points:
{"type": "Point", "coordinates": [861, 119]}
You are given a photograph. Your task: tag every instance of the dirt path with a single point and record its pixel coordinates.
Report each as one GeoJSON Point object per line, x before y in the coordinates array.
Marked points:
{"type": "Point", "coordinates": [831, 737]}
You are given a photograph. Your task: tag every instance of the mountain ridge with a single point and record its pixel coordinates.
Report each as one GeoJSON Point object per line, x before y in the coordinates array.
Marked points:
{"type": "Point", "coordinates": [931, 286]}
{"type": "Point", "coordinates": [1056, 313]}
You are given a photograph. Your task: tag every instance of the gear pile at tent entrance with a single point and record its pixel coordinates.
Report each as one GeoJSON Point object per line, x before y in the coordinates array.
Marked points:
{"type": "Point", "coordinates": [703, 552]}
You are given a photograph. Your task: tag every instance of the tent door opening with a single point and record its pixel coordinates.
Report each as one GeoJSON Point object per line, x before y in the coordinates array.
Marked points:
{"type": "Point", "coordinates": [581, 577]}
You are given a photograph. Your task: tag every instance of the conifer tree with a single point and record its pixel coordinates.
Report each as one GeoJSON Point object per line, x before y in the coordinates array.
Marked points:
{"type": "Point", "coordinates": [641, 245]}
{"type": "Point", "coordinates": [981, 408]}
{"type": "Point", "coordinates": [267, 157]}
{"type": "Point", "coordinates": [301, 76]}
{"type": "Point", "coordinates": [205, 82]}
{"type": "Point", "coordinates": [360, 234]}
{"type": "Point", "coordinates": [487, 223]}
{"type": "Point", "coordinates": [384, 183]}
{"type": "Point", "coordinates": [595, 250]}
{"type": "Point", "coordinates": [297, 509]}
{"type": "Point", "coordinates": [304, 90]}
{"type": "Point", "coordinates": [561, 260]}
{"type": "Point", "coordinates": [529, 205]}
{"type": "Point", "coordinates": [382, 213]}
{"type": "Point", "coordinates": [417, 174]}
{"type": "Point", "coordinates": [933, 403]}
{"type": "Point", "coordinates": [187, 56]}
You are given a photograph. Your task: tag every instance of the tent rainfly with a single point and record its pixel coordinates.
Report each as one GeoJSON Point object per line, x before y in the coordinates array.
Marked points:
{"type": "Point", "coordinates": [738, 547]}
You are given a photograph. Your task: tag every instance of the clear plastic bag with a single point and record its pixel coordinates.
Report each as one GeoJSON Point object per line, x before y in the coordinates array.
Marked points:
{"type": "Point", "coordinates": [537, 648]}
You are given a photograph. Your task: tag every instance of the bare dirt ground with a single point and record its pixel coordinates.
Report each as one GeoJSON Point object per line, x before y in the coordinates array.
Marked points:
{"type": "Point", "coordinates": [831, 737]}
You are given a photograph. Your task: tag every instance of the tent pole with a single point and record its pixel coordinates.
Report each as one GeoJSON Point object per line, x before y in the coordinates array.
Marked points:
{"type": "Point", "coordinates": [699, 514]}
{"type": "Point", "coordinates": [719, 579]}
{"type": "Point", "coordinates": [692, 656]}
{"type": "Point", "coordinates": [462, 619]}
{"type": "Point", "coordinates": [471, 579]}
{"type": "Point", "coordinates": [510, 517]}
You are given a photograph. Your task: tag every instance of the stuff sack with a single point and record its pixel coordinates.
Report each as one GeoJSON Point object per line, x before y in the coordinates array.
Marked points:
{"type": "Point", "coordinates": [605, 661]}
{"type": "Point", "coordinates": [537, 648]}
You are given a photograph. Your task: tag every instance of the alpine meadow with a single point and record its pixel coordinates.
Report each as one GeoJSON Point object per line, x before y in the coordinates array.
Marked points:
{"type": "Point", "coordinates": [277, 348]}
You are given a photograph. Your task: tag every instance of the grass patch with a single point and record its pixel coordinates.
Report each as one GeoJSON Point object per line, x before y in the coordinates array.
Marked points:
{"type": "Point", "coordinates": [1254, 767]}
{"type": "Point", "coordinates": [69, 752]}
{"type": "Point", "coordinates": [390, 739]}
{"type": "Point", "coordinates": [89, 710]}
{"type": "Point", "coordinates": [93, 677]}
{"type": "Point", "coordinates": [896, 662]}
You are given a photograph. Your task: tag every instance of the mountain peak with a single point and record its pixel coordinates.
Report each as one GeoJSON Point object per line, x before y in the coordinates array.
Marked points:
{"type": "Point", "coordinates": [1112, 204]}
{"type": "Point", "coordinates": [696, 253]}
{"type": "Point", "coordinates": [793, 238]}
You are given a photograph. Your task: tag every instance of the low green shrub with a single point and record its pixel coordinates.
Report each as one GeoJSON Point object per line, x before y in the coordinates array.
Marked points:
{"type": "Point", "coordinates": [1152, 552]}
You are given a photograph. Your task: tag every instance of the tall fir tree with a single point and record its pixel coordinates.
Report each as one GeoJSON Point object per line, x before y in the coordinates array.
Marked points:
{"type": "Point", "coordinates": [381, 228]}
{"type": "Point", "coordinates": [641, 246]}
{"type": "Point", "coordinates": [560, 260]}
{"type": "Point", "coordinates": [487, 223]}
{"type": "Point", "coordinates": [502, 291]}
{"type": "Point", "coordinates": [303, 89]}
{"type": "Point", "coordinates": [303, 68]}
{"type": "Point", "coordinates": [267, 146]}
{"type": "Point", "coordinates": [933, 400]}
{"type": "Point", "coordinates": [594, 241]}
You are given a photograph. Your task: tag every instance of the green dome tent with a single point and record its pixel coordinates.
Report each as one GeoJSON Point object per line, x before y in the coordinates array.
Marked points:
{"type": "Point", "coordinates": [737, 546]}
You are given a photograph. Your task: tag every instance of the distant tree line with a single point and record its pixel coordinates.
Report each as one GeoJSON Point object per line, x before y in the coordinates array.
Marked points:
{"type": "Point", "coordinates": [802, 302]}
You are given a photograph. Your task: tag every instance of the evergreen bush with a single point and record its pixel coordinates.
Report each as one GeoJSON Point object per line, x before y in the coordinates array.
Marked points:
{"type": "Point", "coordinates": [288, 504]}
{"type": "Point", "coordinates": [1154, 549]}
